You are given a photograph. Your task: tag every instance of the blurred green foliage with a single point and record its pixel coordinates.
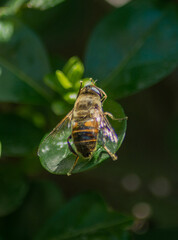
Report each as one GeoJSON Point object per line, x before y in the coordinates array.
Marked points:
{"type": "Point", "coordinates": [85, 220]}
{"type": "Point", "coordinates": [141, 39]}
{"type": "Point", "coordinates": [22, 74]}
{"type": "Point", "coordinates": [42, 200]}
{"type": "Point", "coordinates": [130, 49]}
{"type": "Point", "coordinates": [13, 190]}
{"type": "Point", "coordinates": [22, 139]}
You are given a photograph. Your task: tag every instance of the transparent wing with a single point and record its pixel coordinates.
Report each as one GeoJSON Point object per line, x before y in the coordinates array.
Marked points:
{"type": "Point", "coordinates": [64, 125]}
{"type": "Point", "coordinates": [107, 135]}
{"type": "Point", "coordinates": [53, 150]}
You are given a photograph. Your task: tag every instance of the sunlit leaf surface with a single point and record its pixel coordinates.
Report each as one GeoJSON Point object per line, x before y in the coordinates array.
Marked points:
{"type": "Point", "coordinates": [56, 157]}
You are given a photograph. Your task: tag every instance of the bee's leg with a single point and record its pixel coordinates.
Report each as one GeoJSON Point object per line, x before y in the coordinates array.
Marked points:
{"type": "Point", "coordinates": [104, 96]}
{"type": "Point", "coordinates": [72, 168]}
{"type": "Point", "coordinates": [113, 156]}
{"type": "Point", "coordinates": [73, 151]}
{"type": "Point", "coordinates": [70, 147]}
{"type": "Point", "coordinates": [113, 118]}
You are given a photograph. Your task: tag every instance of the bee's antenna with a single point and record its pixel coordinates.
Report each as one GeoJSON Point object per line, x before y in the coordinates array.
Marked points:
{"type": "Point", "coordinates": [81, 83]}
{"type": "Point", "coordinates": [93, 81]}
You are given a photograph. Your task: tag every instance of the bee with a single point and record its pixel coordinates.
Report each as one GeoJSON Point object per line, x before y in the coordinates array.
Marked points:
{"type": "Point", "coordinates": [87, 125]}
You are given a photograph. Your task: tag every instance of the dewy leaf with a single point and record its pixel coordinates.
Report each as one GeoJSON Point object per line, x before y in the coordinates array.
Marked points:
{"type": "Point", "coordinates": [56, 157]}
{"type": "Point", "coordinates": [23, 64]}
{"type": "Point", "coordinates": [13, 189]}
{"type": "Point", "coordinates": [43, 4]}
{"type": "Point", "coordinates": [133, 48]}
{"type": "Point", "coordinates": [84, 215]}
{"type": "Point", "coordinates": [18, 136]}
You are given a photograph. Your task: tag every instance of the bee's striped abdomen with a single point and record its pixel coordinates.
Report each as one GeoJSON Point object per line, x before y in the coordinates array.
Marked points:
{"type": "Point", "coordinates": [85, 137]}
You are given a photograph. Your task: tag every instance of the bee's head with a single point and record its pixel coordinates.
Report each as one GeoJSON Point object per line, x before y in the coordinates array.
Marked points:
{"type": "Point", "coordinates": [93, 90]}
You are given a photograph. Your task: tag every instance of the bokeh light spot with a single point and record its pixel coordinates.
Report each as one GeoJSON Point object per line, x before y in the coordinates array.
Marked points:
{"type": "Point", "coordinates": [131, 182]}
{"type": "Point", "coordinates": [160, 187]}
{"type": "Point", "coordinates": [141, 210]}
{"type": "Point", "coordinates": [118, 3]}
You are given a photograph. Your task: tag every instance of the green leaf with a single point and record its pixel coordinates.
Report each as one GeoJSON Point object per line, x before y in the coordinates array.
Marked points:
{"type": "Point", "coordinates": [69, 64]}
{"type": "Point", "coordinates": [133, 48]}
{"type": "Point", "coordinates": [13, 189]}
{"type": "Point", "coordinates": [43, 4]}
{"type": "Point", "coordinates": [52, 82]}
{"type": "Point", "coordinates": [63, 80]}
{"type": "Point", "coordinates": [61, 84]}
{"type": "Point", "coordinates": [84, 216]}
{"type": "Point", "coordinates": [74, 69]}
{"type": "Point", "coordinates": [23, 64]}
{"type": "Point", "coordinates": [43, 200]}
{"type": "Point", "coordinates": [56, 157]}
{"type": "Point", "coordinates": [18, 136]}
{"type": "Point", "coordinates": [68, 79]}
{"type": "Point", "coordinates": [76, 72]}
